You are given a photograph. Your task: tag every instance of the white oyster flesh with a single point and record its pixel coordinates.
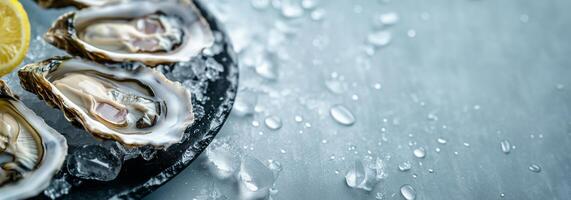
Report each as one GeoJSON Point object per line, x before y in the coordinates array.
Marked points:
{"type": "Point", "coordinates": [152, 33]}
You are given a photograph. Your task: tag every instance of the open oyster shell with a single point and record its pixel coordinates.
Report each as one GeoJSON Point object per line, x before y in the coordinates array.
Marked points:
{"type": "Point", "coordinates": [130, 103]}
{"type": "Point", "coordinates": [31, 152]}
{"type": "Point", "coordinates": [75, 3]}
{"type": "Point", "coordinates": [151, 32]}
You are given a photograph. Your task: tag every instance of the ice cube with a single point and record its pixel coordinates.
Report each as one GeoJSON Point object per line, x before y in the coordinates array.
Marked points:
{"type": "Point", "coordinates": [254, 179]}
{"type": "Point", "coordinates": [94, 162]}
{"type": "Point", "coordinates": [222, 159]}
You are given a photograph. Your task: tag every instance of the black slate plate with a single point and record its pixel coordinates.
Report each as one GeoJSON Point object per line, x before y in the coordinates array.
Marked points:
{"type": "Point", "coordinates": [139, 177]}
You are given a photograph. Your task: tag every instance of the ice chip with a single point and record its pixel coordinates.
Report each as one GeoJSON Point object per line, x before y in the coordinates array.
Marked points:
{"type": "Point", "coordinates": [222, 159]}
{"type": "Point", "coordinates": [254, 178]}
{"type": "Point", "coordinates": [94, 162]}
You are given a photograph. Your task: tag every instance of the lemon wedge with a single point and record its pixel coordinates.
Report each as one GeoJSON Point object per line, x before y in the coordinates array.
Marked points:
{"type": "Point", "coordinates": [14, 35]}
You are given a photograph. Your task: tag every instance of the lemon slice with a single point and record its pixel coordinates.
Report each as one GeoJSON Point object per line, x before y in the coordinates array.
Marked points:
{"type": "Point", "coordinates": [14, 35]}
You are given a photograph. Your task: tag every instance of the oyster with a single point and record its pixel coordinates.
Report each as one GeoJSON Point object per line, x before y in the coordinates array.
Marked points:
{"type": "Point", "coordinates": [31, 152]}
{"type": "Point", "coordinates": [151, 32]}
{"type": "Point", "coordinates": [76, 3]}
{"type": "Point", "coordinates": [130, 103]}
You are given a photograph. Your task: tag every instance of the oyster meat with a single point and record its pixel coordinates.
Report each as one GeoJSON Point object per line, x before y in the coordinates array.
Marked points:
{"type": "Point", "coordinates": [151, 32]}
{"type": "Point", "coordinates": [76, 3]}
{"type": "Point", "coordinates": [31, 152]}
{"type": "Point", "coordinates": [130, 103]}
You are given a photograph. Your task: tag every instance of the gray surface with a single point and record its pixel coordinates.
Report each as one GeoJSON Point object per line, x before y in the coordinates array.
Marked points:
{"type": "Point", "coordinates": [468, 54]}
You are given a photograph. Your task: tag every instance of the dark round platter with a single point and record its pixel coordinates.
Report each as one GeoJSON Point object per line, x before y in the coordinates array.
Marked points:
{"type": "Point", "coordinates": [139, 177]}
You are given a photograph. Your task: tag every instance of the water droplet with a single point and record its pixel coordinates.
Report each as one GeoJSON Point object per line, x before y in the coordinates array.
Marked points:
{"type": "Point", "coordinates": [355, 97]}
{"type": "Point", "coordinates": [505, 146]}
{"type": "Point", "coordinates": [377, 86]}
{"type": "Point", "coordinates": [432, 117]}
{"type": "Point", "coordinates": [466, 144]}
{"type": "Point", "coordinates": [309, 4]}
{"type": "Point", "coordinates": [430, 171]}
{"type": "Point", "coordinates": [390, 18]}
{"type": "Point", "coordinates": [318, 14]}
{"type": "Point", "coordinates": [335, 86]}
{"type": "Point", "coordinates": [502, 195]}
{"type": "Point", "coordinates": [361, 177]}
{"type": "Point", "coordinates": [379, 38]}
{"type": "Point", "coordinates": [408, 192]}
{"type": "Point", "coordinates": [324, 141]}
{"type": "Point", "coordinates": [260, 4]}
{"type": "Point", "coordinates": [275, 166]}
{"type": "Point", "coordinates": [534, 168]}
{"type": "Point", "coordinates": [441, 140]}
{"type": "Point", "coordinates": [291, 10]}
{"type": "Point", "coordinates": [351, 147]}
{"type": "Point", "coordinates": [342, 115]}
{"type": "Point", "coordinates": [332, 157]}
{"type": "Point", "coordinates": [273, 122]}
{"type": "Point", "coordinates": [411, 33]}
{"type": "Point", "coordinates": [255, 123]}
{"type": "Point", "coordinates": [437, 150]}
{"type": "Point", "coordinates": [405, 166]}
{"type": "Point", "coordinates": [298, 119]}
{"type": "Point", "coordinates": [283, 151]}
{"type": "Point", "coordinates": [419, 152]}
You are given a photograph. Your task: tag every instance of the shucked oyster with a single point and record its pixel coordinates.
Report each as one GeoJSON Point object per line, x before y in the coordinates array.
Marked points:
{"type": "Point", "coordinates": [151, 32]}
{"type": "Point", "coordinates": [76, 3]}
{"type": "Point", "coordinates": [132, 104]}
{"type": "Point", "coordinates": [31, 152]}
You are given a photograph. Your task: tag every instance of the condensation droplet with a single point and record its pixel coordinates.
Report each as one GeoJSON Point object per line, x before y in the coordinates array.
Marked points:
{"type": "Point", "coordinates": [505, 146]}
{"type": "Point", "coordinates": [318, 14]}
{"type": "Point", "coordinates": [342, 115]}
{"type": "Point", "coordinates": [419, 152]}
{"type": "Point", "coordinates": [298, 118]}
{"type": "Point", "coordinates": [534, 168]}
{"type": "Point", "coordinates": [408, 192]}
{"type": "Point", "coordinates": [273, 122]}
{"type": "Point", "coordinates": [260, 4]}
{"type": "Point", "coordinates": [390, 18]}
{"type": "Point", "coordinates": [379, 38]}
{"type": "Point", "coordinates": [405, 166]}
{"type": "Point", "coordinates": [411, 33]}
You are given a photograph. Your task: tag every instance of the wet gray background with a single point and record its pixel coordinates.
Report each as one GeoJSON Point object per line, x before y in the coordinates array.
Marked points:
{"type": "Point", "coordinates": [510, 58]}
{"type": "Point", "coordinates": [484, 71]}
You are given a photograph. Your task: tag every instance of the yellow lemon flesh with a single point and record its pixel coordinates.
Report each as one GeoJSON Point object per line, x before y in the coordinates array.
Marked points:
{"type": "Point", "coordinates": [14, 35]}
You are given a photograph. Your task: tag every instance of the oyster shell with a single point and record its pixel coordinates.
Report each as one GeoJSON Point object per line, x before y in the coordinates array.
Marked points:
{"type": "Point", "coordinates": [130, 103]}
{"type": "Point", "coordinates": [75, 3]}
{"type": "Point", "coordinates": [151, 32]}
{"type": "Point", "coordinates": [31, 152]}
